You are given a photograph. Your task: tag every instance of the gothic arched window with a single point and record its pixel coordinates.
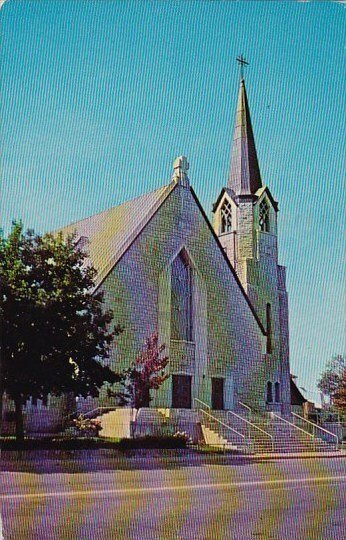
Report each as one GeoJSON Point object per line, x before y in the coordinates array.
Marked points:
{"type": "Point", "coordinates": [181, 298]}
{"type": "Point", "coordinates": [264, 216]}
{"type": "Point", "coordinates": [269, 328]}
{"type": "Point", "coordinates": [226, 217]}
{"type": "Point", "coordinates": [277, 392]}
{"type": "Point", "coordinates": [269, 392]}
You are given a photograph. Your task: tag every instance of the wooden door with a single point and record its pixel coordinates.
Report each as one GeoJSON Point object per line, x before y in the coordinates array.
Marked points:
{"type": "Point", "coordinates": [217, 402]}
{"type": "Point", "coordinates": [181, 391]}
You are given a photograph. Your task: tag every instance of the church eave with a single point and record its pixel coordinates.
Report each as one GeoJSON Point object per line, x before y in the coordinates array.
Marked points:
{"type": "Point", "coordinates": [110, 270]}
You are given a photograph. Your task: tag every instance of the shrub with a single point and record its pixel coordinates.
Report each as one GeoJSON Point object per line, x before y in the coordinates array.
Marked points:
{"type": "Point", "coordinates": [56, 443]}
{"type": "Point", "coordinates": [183, 436]}
{"type": "Point", "coordinates": [87, 427]}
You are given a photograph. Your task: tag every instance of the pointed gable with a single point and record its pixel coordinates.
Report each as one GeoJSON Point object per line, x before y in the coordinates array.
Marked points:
{"type": "Point", "coordinates": [229, 192]}
{"type": "Point", "coordinates": [260, 193]}
{"type": "Point", "coordinates": [245, 177]}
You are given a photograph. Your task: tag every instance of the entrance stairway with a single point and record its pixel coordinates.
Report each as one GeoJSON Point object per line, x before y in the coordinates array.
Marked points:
{"type": "Point", "coordinates": [243, 431]}
{"type": "Point", "coordinates": [265, 433]}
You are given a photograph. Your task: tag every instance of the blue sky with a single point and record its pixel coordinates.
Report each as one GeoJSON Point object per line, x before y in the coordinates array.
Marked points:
{"type": "Point", "coordinates": [99, 97]}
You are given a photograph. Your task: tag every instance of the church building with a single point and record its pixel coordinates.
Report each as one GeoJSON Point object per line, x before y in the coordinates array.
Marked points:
{"type": "Point", "coordinates": [214, 292]}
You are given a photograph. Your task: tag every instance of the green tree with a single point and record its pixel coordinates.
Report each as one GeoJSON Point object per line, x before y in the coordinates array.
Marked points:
{"type": "Point", "coordinates": [145, 374]}
{"type": "Point", "coordinates": [339, 397]}
{"type": "Point", "coordinates": [55, 332]}
{"type": "Point", "coordinates": [332, 379]}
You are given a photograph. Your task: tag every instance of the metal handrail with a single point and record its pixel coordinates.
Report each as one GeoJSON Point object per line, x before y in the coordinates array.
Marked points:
{"type": "Point", "coordinates": [246, 406]}
{"type": "Point", "coordinates": [253, 412]}
{"type": "Point", "coordinates": [254, 426]}
{"type": "Point", "coordinates": [202, 403]}
{"type": "Point", "coordinates": [107, 409]}
{"type": "Point", "coordinates": [315, 426]}
{"type": "Point", "coordinates": [86, 413]}
{"type": "Point", "coordinates": [222, 423]}
{"type": "Point", "coordinates": [100, 409]}
{"type": "Point", "coordinates": [291, 424]}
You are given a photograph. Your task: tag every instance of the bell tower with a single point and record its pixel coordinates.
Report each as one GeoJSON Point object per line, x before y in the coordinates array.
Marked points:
{"type": "Point", "coordinates": [245, 221]}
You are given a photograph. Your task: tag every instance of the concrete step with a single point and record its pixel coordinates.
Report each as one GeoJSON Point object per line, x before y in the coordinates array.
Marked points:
{"type": "Point", "coordinates": [285, 438]}
{"type": "Point", "coordinates": [212, 438]}
{"type": "Point", "coordinates": [116, 424]}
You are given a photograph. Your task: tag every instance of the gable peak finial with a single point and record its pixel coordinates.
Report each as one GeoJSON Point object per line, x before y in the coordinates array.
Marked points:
{"type": "Point", "coordinates": [181, 166]}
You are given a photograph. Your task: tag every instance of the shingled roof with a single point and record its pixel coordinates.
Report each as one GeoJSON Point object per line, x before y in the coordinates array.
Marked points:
{"type": "Point", "coordinates": [107, 236]}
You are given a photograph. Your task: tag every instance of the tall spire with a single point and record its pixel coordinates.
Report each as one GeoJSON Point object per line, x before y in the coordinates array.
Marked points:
{"type": "Point", "coordinates": [245, 176]}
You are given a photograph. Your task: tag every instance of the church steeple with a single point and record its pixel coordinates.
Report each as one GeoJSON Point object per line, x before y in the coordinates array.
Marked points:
{"type": "Point", "coordinates": [245, 176]}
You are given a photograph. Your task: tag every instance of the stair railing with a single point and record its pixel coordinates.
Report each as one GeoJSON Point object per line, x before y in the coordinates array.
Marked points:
{"type": "Point", "coordinates": [294, 426]}
{"type": "Point", "coordinates": [86, 414]}
{"type": "Point", "coordinates": [315, 427]}
{"type": "Point", "coordinates": [254, 426]}
{"type": "Point", "coordinates": [202, 403]}
{"type": "Point", "coordinates": [99, 410]}
{"type": "Point", "coordinates": [252, 412]}
{"type": "Point", "coordinates": [246, 407]}
{"type": "Point", "coordinates": [222, 423]}
{"type": "Point", "coordinates": [210, 416]}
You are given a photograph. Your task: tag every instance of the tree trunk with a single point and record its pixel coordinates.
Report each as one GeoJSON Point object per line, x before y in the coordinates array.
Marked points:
{"type": "Point", "coordinates": [19, 418]}
{"type": "Point", "coordinates": [144, 398]}
{"type": "Point", "coordinates": [1, 400]}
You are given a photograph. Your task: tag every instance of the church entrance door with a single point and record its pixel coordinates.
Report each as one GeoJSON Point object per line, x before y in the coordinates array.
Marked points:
{"type": "Point", "coordinates": [217, 402]}
{"type": "Point", "coordinates": [181, 391]}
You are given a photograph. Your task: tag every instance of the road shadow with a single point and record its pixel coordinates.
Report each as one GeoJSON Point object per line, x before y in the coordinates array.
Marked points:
{"type": "Point", "coordinates": [84, 461]}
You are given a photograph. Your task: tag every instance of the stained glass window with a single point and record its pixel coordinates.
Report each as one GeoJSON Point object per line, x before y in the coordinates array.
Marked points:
{"type": "Point", "coordinates": [181, 298]}
{"type": "Point", "coordinates": [269, 392]}
{"type": "Point", "coordinates": [269, 329]}
{"type": "Point", "coordinates": [277, 392]}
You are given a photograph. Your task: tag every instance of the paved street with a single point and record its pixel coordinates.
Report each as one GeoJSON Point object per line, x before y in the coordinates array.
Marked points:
{"type": "Point", "coordinates": [206, 498]}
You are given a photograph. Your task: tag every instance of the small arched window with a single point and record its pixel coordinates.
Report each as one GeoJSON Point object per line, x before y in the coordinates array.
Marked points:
{"type": "Point", "coordinates": [269, 392]}
{"type": "Point", "coordinates": [226, 217]}
{"type": "Point", "coordinates": [264, 216]}
{"type": "Point", "coordinates": [269, 328]}
{"type": "Point", "coordinates": [277, 392]}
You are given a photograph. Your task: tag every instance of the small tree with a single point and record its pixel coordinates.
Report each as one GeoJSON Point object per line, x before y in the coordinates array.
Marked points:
{"type": "Point", "coordinates": [54, 329]}
{"type": "Point", "coordinates": [332, 379]}
{"type": "Point", "coordinates": [145, 374]}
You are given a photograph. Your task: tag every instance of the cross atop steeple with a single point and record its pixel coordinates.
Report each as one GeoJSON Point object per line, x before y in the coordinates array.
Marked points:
{"type": "Point", "coordinates": [242, 63]}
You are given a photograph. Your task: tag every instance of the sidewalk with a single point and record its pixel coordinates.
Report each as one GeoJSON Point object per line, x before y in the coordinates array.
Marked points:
{"type": "Point", "coordinates": [98, 459]}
